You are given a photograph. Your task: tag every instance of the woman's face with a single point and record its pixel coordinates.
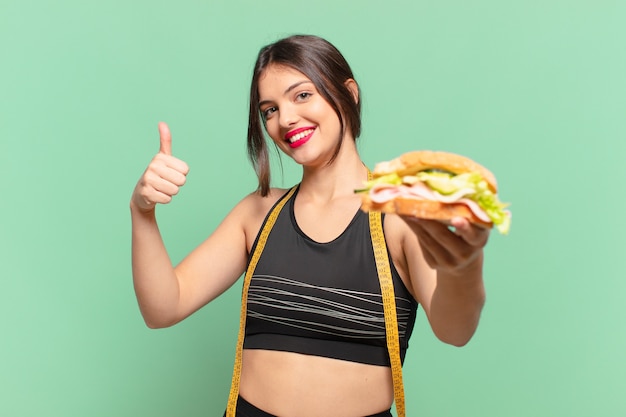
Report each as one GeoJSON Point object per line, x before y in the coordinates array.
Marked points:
{"type": "Point", "coordinates": [297, 118]}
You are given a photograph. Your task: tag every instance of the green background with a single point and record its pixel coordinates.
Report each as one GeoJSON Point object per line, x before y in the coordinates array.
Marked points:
{"type": "Point", "coordinates": [534, 90]}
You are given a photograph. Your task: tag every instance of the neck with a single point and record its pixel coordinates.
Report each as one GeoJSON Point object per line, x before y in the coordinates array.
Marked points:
{"type": "Point", "coordinates": [337, 179]}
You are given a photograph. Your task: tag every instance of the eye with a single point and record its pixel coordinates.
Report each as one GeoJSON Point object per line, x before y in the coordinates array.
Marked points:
{"type": "Point", "coordinates": [303, 96]}
{"type": "Point", "coordinates": [268, 112]}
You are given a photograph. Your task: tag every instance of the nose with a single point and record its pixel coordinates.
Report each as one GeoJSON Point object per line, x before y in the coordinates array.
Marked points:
{"type": "Point", "coordinates": [287, 116]}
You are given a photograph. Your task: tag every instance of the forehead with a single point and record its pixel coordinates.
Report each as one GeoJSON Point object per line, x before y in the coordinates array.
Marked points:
{"type": "Point", "coordinates": [276, 79]}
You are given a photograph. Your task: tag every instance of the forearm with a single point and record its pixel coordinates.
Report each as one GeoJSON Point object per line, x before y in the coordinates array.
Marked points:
{"type": "Point", "coordinates": [457, 303]}
{"type": "Point", "coordinates": [154, 279]}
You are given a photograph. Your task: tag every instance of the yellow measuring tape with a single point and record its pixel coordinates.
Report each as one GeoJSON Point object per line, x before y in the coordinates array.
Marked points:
{"type": "Point", "coordinates": [389, 308]}
{"type": "Point", "coordinates": [260, 245]}
{"type": "Point", "coordinates": [389, 305]}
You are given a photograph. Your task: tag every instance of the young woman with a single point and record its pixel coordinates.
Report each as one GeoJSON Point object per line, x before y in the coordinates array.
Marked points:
{"type": "Point", "coordinates": [315, 334]}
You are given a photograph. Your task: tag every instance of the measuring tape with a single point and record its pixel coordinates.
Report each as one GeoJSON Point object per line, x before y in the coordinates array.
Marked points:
{"type": "Point", "coordinates": [389, 308]}
{"type": "Point", "coordinates": [389, 305]}
{"type": "Point", "coordinates": [260, 245]}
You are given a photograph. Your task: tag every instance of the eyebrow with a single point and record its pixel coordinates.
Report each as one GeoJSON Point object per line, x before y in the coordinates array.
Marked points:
{"type": "Point", "coordinates": [291, 87]}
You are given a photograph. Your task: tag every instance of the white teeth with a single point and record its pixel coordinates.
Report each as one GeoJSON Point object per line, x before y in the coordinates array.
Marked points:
{"type": "Point", "coordinates": [300, 135]}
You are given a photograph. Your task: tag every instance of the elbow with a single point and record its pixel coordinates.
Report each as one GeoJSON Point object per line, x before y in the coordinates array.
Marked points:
{"type": "Point", "coordinates": [158, 322]}
{"type": "Point", "coordinates": [457, 335]}
{"type": "Point", "coordinates": [154, 325]}
{"type": "Point", "coordinates": [456, 340]}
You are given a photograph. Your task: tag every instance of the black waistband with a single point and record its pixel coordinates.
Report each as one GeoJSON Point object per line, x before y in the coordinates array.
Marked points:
{"type": "Point", "coordinates": [245, 409]}
{"type": "Point", "coordinates": [335, 349]}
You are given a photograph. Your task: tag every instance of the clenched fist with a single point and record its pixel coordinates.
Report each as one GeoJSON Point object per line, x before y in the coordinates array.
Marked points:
{"type": "Point", "coordinates": [162, 178]}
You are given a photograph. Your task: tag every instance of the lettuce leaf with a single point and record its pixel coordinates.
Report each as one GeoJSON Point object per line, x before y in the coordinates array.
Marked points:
{"type": "Point", "coordinates": [390, 179]}
{"type": "Point", "coordinates": [446, 183]}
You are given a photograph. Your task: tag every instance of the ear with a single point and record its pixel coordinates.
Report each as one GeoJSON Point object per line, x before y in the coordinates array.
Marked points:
{"type": "Point", "coordinates": [353, 87]}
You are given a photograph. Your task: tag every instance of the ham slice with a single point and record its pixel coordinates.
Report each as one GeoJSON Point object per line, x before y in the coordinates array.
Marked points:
{"type": "Point", "coordinates": [382, 193]}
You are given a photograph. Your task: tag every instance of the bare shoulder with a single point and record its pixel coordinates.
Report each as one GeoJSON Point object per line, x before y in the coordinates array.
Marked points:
{"type": "Point", "coordinates": [254, 205]}
{"type": "Point", "coordinates": [255, 200]}
{"type": "Point", "coordinates": [253, 209]}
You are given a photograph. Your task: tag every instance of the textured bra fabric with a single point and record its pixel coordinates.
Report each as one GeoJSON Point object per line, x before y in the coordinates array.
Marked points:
{"type": "Point", "coordinates": [323, 299]}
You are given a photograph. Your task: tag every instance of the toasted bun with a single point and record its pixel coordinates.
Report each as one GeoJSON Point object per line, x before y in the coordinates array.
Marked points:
{"type": "Point", "coordinates": [423, 209]}
{"type": "Point", "coordinates": [411, 163]}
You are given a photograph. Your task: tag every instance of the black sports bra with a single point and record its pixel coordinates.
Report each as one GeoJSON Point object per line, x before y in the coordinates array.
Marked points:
{"type": "Point", "coordinates": [323, 299]}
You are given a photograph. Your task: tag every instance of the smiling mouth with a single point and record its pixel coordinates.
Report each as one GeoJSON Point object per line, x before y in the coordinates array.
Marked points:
{"type": "Point", "coordinates": [299, 137]}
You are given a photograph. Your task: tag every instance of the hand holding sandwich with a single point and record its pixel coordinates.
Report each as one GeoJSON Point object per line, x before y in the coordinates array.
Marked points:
{"type": "Point", "coordinates": [162, 178]}
{"type": "Point", "coordinates": [446, 251]}
{"type": "Point", "coordinates": [449, 201]}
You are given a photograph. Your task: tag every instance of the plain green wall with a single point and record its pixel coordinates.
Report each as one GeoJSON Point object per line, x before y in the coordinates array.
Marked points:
{"type": "Point", "coordinates": [535, 90]}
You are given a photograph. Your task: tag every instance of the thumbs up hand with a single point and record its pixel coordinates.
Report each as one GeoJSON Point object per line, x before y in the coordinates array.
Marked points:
{"type": "Point", "coordinates": [162, 178]}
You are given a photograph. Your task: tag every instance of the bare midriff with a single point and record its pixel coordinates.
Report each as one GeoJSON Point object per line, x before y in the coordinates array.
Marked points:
{"type": "Point", "coordinates": [295, 385]}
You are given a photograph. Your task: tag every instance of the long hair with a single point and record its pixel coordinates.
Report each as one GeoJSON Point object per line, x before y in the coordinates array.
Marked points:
{"type": "Point", "coordinates": [326, 67]}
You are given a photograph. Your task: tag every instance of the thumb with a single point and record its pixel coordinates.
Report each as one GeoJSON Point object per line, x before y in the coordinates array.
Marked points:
{"type": "Point", "coordinates": [166, 139]}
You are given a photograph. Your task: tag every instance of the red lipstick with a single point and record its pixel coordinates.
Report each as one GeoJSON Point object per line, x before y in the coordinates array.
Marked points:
{"type": "Point", "coordinates": [299, 136]}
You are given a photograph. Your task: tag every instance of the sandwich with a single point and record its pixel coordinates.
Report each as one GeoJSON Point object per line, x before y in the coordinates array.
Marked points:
{"type": "Point", "coordinates": [436, 185]}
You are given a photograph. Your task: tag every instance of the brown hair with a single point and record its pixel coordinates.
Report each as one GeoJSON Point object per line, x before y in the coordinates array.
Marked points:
{"type": "Point", "coordinates": [324, 65]}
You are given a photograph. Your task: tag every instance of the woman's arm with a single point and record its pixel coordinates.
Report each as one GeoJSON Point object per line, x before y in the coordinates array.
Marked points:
{"type": "Point", "coordinates": [445, 273]}
{"type": "Point", "coordinates": [166, 294]}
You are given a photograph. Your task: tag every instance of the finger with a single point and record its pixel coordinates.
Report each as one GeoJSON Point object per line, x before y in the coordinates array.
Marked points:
{"type": "Point", "coordinates": [473, 234]}
{"type": "Point", "coordinates": [164, 179]}
{"type": "Point", "coordinates": [170, 162]}
{"type": "Point", "coordinates": [172, 172]}
{"type": "Point", "coordinates": [441, 248]}
{"type": "Point", "coordinates": [428, 247]}
{"type": "Point", "coordinates": [425, 240]}
{"type": "Point", "coordinates": [147, 196]}
{"type": "Point", "coordinates": [158, 197]}
{"type": "Point", "coordinates": [164, 186]}
{"type": "Point", "coordinates": [166, 139]}
{"type": "Point", "coordinates": [461, 227]}
{"type": "Point", "coordinates": [438, 231]}
{"type": "Point", "coordinates": [435, 252]}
